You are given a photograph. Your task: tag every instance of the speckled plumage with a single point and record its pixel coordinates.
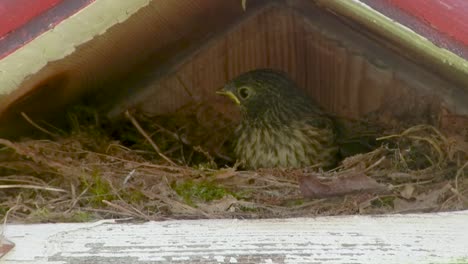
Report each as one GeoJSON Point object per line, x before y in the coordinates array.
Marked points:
{"type": "Point", "coordinates": [281, 126]}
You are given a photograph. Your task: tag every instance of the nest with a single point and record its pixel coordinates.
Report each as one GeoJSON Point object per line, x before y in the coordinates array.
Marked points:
{"type": "Point", "coordinates": [179, 171]}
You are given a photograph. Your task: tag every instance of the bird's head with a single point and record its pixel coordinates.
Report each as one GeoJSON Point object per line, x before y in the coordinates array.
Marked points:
{"type": "Point", "coordinates": [263, 92]}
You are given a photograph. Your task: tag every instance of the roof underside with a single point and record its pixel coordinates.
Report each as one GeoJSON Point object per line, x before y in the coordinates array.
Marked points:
{"type": "Point", "coordinates": [107, 43]}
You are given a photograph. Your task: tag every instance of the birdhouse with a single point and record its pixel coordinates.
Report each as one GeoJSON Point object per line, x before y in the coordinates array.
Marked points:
{"type": "Point", "coordinates": [397, 63]}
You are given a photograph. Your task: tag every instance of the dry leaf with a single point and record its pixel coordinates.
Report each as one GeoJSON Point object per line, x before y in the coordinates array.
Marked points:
{"type": "Point", "coordinates": [219, 206]}
{"type": "Point", "coordinates": [5, 246]}
{"type": "Point", "coordinates": [423, 203]}
{"type": "Point", "coordinates": [457, 145]}
{"type": "Point", "coordinates": [312, 187]}
{"type": "Point", "coordinates": [226, 174]}
{"type": "Point", "coordinates": [407, 191]}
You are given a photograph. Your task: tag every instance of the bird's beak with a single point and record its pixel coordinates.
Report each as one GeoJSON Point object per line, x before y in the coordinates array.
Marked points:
{"type": "Point", "coordinates": [229, 94]}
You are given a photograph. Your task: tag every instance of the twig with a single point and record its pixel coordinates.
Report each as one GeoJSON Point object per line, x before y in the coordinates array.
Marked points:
{"type": "Point", "coordinates": [377, 163]}
{"type": "Point", "coordinates": [145, 135]}
{"type": "Point", "coordinates": [186, 89]}
{"type": "Point", "coordinates": [120, 208]}
{"type": "Point", "coordinates": [76, 200]}
{"type": "Point", "coordinates": [140, 213]}
{"type": "Point", "coordinates": [125, 210]}
{"type": "Point", "coordinates": [5, 220]}
{"type": "Point", "coordinates": [459, 195]}
{"type": "Point", "coordinates": [455, 190]}
{"type": "Point", "coordinates": [26, 186]}
{"type": "Point", "coordinates": [459, 173]}
{"type": "Point", "coordinates": [127, 178]}
{"type": "Point", "coordinates": [32, 123]}
{"type": "Point", "coordinates": [107, 211]}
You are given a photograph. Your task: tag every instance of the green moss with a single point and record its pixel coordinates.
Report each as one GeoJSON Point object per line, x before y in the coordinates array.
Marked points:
{"type": "Point", "coordinates": [98, 188]}
{"type": "Point", "coordinates": [46, 215]}
{"type": "Point", "coordinates": [3, 210]}
{"type": "Point", "coordinates": [205, 191]}
{"type": "Point", "coordinates": [40, 215]}
{"type": "Point", "coordinates": [80, 116]}
{"type": "Point", "coordinates": [383, 201]}
{"type": "Point", "coordinates": [133, 196]}
{"type": "Point", "coordinates": [80, 217]}
{"type": "Point", "coordinates": [293, 203]}
{"type": "Point", "coordinates": [205, 165]}
{"type": "Point", "coordinates": [247, 209]}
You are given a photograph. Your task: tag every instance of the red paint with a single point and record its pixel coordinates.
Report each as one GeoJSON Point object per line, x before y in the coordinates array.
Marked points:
{"type": "Point", "coordinates": [25, 24]}
{"type": "Point", "coordinates": [15, 13]}
{"type": "Point", "coordinates": [449, 17]}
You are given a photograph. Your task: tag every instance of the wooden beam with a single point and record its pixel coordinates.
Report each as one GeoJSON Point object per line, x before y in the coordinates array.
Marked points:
{"type": "Point", "coordinates": [417, 238]}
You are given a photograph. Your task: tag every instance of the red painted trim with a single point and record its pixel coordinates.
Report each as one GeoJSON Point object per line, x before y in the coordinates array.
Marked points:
{"type": "Point", "coordinates": [39, 24]}
{"type": "Point", "coordinates": [446, 16]}
{"type": "Point", "coordinates": [15, 13]}
{"type": "Point", "coordinates": [426, 23]}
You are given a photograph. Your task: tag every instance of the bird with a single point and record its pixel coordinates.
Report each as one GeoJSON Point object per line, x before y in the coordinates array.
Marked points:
{"type": "Point", "coordinates": [280, 127]}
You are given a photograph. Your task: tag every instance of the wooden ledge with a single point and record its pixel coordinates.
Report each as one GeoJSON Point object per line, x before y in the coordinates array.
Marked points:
{"type": "Point", "coordinates": [416, 238]}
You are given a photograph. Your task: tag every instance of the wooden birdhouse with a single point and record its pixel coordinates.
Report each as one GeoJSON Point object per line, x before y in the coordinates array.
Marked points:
{"type": "Point", "coordinates": [399, 64]}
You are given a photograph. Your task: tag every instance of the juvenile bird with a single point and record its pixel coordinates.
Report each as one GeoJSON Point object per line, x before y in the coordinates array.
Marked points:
{"type": "Point", "coordinates": [281, 126]}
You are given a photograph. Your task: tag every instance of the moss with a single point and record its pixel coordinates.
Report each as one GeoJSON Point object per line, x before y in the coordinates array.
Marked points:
{"type": "Point", "coordinates": [386, 201]}
{"type": "Point", "coordinates": [133, 196]}
{"type": "Point", "coordinates": [247, 209]}
{"type": "Point", "coordinates": [80, 116]}
{"type": "Point", "coordinates": [3, 210]}
{"type": "Point", "coordinates": [293, 203]}
{"type": "Point", "coordinates": [417, 157]}
{"type": "Point", "coordinates": [40, 215]}
{"type": "Point", "coordinates": [205, 191]}
{"type": "Point", "coordinates": [209, 165]}
{"type": "Point", "coordinates": [46, 215]}
{"type": "Point", "coordinates": [80, 217]}
{"type": "Point", "coordinates": [98, 188]}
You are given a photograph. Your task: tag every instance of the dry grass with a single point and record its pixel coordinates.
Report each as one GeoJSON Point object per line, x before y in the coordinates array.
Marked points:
{"type": "Point", "coordinates": [90, 174]}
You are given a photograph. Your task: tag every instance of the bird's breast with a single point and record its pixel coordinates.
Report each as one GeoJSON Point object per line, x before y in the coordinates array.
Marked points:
{"type": "Point", "coordinates": [287, 146]}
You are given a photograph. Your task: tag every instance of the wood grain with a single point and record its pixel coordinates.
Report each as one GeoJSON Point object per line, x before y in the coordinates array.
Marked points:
{"type": "Point", "coordinates": [173, 53]}
{"type": "Point", "coordinates": [423, 238]}
{"type": "Point", "coordinates": [344, 71]}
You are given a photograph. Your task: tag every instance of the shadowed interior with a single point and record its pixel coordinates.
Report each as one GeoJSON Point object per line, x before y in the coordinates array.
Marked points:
{"type": "Point", "coordinates": [174, 53]}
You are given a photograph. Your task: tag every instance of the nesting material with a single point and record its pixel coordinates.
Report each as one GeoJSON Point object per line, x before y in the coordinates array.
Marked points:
{"type": "Point", "coordinates": [104, 170]}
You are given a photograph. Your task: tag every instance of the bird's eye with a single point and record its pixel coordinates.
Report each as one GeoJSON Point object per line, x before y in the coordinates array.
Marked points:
{"type": "Point", "coordinates": [244, 92]}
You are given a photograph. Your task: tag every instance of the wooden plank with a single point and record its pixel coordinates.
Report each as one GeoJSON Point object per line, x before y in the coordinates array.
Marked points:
{"type": "Point", "coordinates": [424, 238]}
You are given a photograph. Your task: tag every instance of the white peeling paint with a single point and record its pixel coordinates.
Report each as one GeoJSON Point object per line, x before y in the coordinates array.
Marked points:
{"type": "Point", "coordinates": [345, 239]}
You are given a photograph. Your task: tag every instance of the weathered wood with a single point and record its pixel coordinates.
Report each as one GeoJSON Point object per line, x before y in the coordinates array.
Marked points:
{"type": "Point", "coordinates": [426, 238]}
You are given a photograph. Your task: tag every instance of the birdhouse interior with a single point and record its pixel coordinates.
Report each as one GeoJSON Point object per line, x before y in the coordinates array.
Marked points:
{"type": "Point", "coordinates": [145, 134]}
